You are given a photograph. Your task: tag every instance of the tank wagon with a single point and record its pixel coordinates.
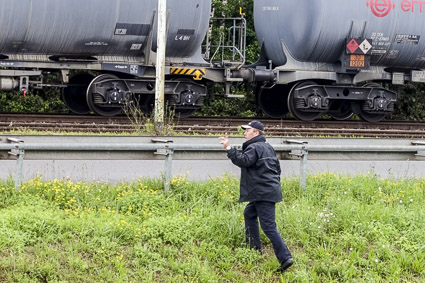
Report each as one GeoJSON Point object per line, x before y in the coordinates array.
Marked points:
{"type": "Point", "coordinates": [114, 39]}
{"type": "Point", "coordinates": [317, 57]}
{"type": "Point", "coordinates": [327, 55]}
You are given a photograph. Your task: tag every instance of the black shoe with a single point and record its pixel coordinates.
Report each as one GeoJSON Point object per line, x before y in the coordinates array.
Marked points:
{"type": "Point", "coordinates": [285, 265]}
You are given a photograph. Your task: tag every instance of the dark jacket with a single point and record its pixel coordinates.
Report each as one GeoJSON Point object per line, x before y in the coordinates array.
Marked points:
{"type": "Point", "coordinates": [260, 171]}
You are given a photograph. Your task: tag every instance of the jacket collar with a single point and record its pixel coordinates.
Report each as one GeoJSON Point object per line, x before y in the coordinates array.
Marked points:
{"type": "Point", "coordinates": [260, 138]}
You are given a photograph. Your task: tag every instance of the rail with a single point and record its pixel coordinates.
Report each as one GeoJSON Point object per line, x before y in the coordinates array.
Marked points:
{"type": "Point", "coordinates": [167, 149]}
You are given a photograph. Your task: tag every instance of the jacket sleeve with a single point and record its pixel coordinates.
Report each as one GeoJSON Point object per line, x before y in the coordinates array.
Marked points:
{"type": "Point", "coordinates": [243, 159]}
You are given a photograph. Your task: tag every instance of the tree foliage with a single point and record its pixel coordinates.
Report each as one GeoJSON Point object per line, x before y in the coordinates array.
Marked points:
{"type": "Point", "coordinates": [234, 8]}
{"type": "Point", "coordinates": [411, 103]}
{"type": "Point", "coordinates": [217, 104]}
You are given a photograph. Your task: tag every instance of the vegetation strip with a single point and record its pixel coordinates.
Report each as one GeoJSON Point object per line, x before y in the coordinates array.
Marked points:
{"type": "Point", "coordinates": [341, 228]}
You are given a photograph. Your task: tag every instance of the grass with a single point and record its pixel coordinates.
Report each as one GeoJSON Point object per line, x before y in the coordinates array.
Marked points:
{"type": "Point", "coordinates": [168, 131]}
{"type": "Point", "coordinates": [340, 229]}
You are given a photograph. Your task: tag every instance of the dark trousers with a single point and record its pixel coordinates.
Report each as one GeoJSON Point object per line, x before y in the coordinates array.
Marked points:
{"type": "Point", "coordinates": [265, 211]}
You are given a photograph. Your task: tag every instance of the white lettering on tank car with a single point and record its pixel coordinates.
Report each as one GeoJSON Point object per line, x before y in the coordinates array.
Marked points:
{"type": "Point", "coordinates": [380, 43]}
{"type": "Point", "coordinates": [271, 8]}
{"type": "Point", "coordinates": [121, 31]}
{"type": "Point", "coordinates": [407, 39]}
{"type": "Point", "coordinates": [378, 51]}
{"type": "Point", "coordinates": [379, 36]}
{"type": "Point", "coordinates": [392, 54]}
{"type": "Point", "coordinates": [182, 38]}
{"type": "Point", "coordinates": [98, 43]}
{"type": "Point", "coordinates": [418, 76]}
{"type": "Point", "coordinates": [136, 46]}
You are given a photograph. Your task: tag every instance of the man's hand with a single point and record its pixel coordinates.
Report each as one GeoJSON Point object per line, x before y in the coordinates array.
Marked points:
{"type": "Point", "coordinates": [224, 140]}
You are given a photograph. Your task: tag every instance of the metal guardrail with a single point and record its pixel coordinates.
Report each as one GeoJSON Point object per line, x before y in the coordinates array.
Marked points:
{"type": "Point", "coordinates": [167, 149]}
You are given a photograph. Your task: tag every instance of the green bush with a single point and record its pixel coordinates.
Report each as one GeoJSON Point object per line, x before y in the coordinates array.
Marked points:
{"type": "Point", "coordinates": [411, 103]}
{"type": "Point", "coordinates": [31, 103]}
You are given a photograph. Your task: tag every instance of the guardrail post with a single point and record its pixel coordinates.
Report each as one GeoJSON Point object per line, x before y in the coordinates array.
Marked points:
{"type": "Point", "coordinates": [302, 154]}
{"type": "Point", "coordinates": [168, 167]}
{"type": "Point", "coordinates": [303, 171]}
{"type": "Point", "coordinates": [19, 153]}
{"type": "Point", "coordinates": [19, 169]}
{"type": "Point", "coordinates": [168, 153]}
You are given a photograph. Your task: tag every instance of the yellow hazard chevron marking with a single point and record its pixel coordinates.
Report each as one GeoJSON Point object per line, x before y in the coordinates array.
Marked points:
{"type": "Point", "coordinates": [196, 73]}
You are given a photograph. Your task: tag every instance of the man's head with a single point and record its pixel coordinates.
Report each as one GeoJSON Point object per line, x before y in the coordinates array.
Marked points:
{"type": "Point", "coordinates": [253, 129]}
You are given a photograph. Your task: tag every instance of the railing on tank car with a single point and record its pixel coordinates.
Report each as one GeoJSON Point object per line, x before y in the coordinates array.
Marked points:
{"type": "Point", "coordinates": [230, 49]}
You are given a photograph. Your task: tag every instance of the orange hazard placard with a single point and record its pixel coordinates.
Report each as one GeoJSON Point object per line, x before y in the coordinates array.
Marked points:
{"type": "Point", "coordinates": [357, 61]}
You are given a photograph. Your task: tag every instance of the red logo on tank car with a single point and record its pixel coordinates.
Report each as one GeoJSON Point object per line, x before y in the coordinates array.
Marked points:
{"type": "Point", "coordinates": [381, 8]}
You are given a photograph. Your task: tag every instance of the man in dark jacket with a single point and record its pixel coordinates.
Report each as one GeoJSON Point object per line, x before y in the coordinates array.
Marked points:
{"type": "Point", "coordinates": [260, 187]}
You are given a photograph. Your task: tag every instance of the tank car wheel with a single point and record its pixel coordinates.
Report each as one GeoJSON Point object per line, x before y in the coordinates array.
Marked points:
{"type": "Point", "coordinates": [184, 112]}
{"type": "Point", "coordinates": [342, 110]}
{"type": "Point", "coordinates": [74, 95]}
{"type": "Point", "coordinates": [273, 101]}
{"type": "Point", "coordinates": [91, 97]}
{"type": "Point", "coordinates": [366, 116]}
{"type": "Point", "coordinates": [147, 104]}
{"type": "Point", "coordinates": [292, 103]}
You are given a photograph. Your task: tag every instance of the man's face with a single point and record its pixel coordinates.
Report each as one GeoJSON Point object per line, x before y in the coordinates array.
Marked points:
{"type": "Point", "coordinates": [250, 133]}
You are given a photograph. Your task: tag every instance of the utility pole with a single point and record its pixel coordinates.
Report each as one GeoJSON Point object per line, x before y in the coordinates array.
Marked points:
{"type": "Point", "coordinates": [160, 65]}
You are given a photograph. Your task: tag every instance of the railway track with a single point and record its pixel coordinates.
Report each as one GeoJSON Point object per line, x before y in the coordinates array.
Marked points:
{"type": "Point", "coordinates": [10, 123]}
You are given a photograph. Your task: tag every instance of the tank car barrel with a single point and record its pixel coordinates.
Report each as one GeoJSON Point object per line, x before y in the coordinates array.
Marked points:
{"type": "Point", "coordinates": [8, 83]}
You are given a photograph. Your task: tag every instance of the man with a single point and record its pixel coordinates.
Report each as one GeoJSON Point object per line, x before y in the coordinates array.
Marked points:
{"type": "Point", "coordinates": [260, 187]}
